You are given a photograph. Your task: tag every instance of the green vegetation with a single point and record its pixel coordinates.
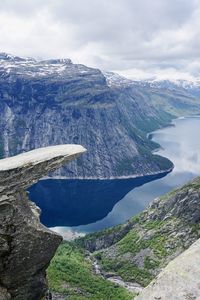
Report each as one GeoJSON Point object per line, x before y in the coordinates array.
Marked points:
{"type": "Point", "coordinates": [125, 165]}
{"type": "Point", "coordinates": [127, 270]}
{"type": "Point", "coordinates": [144, 144]}
{"type": "Point", "coordinates": [195, 184]}
{"type": "Point", "coordinates": [174, 105]}
{"type": "Point", "coordinates": [70, 273]}
{"type": "Point", "coordinates": [128, 165]}
{"type": "Point", "coordinates": [163, 162]}
{"type": "Point", "coordinates": [155, 224]}
{"type": "Point", "coordinates": [153, 123]}
{"type": "Point", "coordinates": [129, 246]}
{"type": "Point", "coordinates": [196, 229]}
{"type": "Point", "coordinates": [80, 242]}
{"type": "Point", "coordinates": [145, 235]}
{"type": "Point", "coordinates": [166, 196]}
{"type": "Point", "coordinates": [137, 251]}
{"type": "Point", "coordinates": [132, 243]}
{"type": "Point", "coordinates": [150, 263]}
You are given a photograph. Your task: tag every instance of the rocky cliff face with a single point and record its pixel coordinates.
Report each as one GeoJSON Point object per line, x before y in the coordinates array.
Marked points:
{"type": "Point", "coordinates": [26, 246]}
{"type": "Point", "coordinates": [139, 249]}
{"type": "Point", "coordinates": [176, 98]}
{"type": "Point", "coordinates": [179, 280]}
{"type": "Point", "coordinates": [55, 101]}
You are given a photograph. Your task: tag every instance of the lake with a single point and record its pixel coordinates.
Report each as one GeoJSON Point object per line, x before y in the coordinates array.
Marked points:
{"type": "Point", "coordinates": [73, 207]}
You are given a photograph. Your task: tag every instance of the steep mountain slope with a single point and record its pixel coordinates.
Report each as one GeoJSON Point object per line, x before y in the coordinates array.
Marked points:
{"type": "Point", "coordinates": [179, 280]}
{"type": "Point", "coordinates": [55, 101]}
{"type": "Point", "coordinates": [139, 249]}
{"type": "Point", "coordinates": [177, 98]}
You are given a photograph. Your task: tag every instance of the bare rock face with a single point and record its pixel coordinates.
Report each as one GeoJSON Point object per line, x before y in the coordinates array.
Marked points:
{"type": "Point", "coordinates": [26, 246]}
{"type": "Point", "coordinates": [180, 280]}
{"type": "Point", "coordinates": [34, 93]}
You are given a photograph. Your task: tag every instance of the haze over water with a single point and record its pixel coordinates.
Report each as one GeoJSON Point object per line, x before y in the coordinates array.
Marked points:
{"type": "Point", "coordinates": [100, 204]}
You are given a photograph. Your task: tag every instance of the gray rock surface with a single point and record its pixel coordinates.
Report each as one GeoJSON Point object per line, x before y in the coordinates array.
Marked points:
{"type": "Point", "coordinates": [57, 102]}
{"type": "Point", "coordinates": [26, 246]}
{"type": "Point", "coordinates": [175, 215]}
{"type": "Point", "coordinates": [139, 249]}
{"type": "Point", "coordinates": [180, 280]}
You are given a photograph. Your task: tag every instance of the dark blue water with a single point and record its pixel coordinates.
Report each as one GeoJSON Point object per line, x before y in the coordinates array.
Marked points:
{"type": "Point", "coordinates": [91, 205]}
{"type": "Point", "coordinates": [77, 202]}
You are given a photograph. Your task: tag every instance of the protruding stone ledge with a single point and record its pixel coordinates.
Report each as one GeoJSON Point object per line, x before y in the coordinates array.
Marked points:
{"type": "Point", "coordinates": [26, 246]}
{"type": "Point", "coordinates": [23, 170]}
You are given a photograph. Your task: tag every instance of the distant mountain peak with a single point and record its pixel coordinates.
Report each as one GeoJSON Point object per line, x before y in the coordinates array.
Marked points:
{"type": "Point", "coordinates": [8, 57]}
{"type": "Point", "coordinates": [57, 61]}
{"type": "Point", "coordinates": [37, 68]}
{"type": "Point", "coordinates": [114, 79]}
{"type": "Point", "coordinates": [117, 80]}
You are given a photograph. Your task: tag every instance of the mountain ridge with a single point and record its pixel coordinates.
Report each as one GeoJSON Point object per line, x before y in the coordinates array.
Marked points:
{"type": "Point", "coordinates": [52, 102]}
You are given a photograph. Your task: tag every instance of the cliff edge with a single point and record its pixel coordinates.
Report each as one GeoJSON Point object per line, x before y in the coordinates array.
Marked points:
{"type": "Point", "coordinates": [26, 246]}
{"type": "Point", "coordinates": [179, 280]}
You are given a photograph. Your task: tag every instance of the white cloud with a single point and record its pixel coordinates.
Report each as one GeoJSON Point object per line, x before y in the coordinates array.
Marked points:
{"type": "Point", "coordinates": [143, 36]}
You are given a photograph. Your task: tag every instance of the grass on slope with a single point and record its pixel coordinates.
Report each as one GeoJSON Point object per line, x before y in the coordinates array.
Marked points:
{"type": "Point", "coordinates": [70, 273]}
{"type": "Point", "coordinates": [132, 244]}
{"type": "Point", "coordinates": [153, 240]}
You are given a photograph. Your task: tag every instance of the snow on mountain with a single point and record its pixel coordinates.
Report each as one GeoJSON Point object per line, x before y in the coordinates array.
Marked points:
{"type": "Point", "coordinates": [29, 67]}
{"type": "Point", "coordinates": [114, 79]}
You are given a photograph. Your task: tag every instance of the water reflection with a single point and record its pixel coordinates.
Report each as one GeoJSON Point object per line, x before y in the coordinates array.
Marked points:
{"type": "Point", "coordinates": [77, 202]}
{"type": "Point", "coordinates": [92, 200]}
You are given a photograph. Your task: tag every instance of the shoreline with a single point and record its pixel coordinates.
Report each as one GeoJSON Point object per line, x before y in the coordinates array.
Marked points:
{"type": "Point", "coordinates": [109, 178]}
{"type": "Point", "coordinates": [83, 230]}
{"type": "Point", "coordinates": [133, 176]}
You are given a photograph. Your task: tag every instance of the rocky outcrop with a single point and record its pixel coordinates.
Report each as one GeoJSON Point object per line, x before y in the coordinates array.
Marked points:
{"type": "Point", "coordinates": [139, 249]}
{"type": "Point", "coordinates": [176, 211]}
{"type": "Point", "coordinates": [180, 280]}
{"type": "Point", "coordinates": [26, 246]}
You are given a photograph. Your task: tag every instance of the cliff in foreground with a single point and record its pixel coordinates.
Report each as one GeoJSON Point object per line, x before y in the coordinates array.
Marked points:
{"type": "Point", "coordinates": [180, 280]}
{"type": "Point", "coordinates": [26, 246]}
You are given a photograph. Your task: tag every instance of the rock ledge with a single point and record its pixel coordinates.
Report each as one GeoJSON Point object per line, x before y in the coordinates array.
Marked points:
{"type": "Point", "coordinates": [26, 246]}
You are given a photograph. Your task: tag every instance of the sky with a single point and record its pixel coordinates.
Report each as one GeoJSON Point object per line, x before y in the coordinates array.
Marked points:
{"type": "Point", "coordinates": [140, 39]}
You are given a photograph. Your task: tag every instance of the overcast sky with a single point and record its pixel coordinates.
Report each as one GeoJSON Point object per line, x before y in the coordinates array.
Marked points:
{"type": "Point", "coordinates": [137, 38]}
